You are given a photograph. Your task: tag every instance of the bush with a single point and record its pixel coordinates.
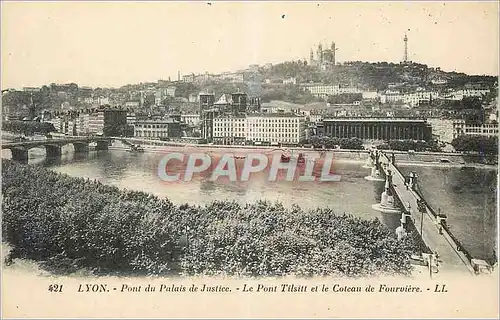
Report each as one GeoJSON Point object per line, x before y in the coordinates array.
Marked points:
{"type": "Point", "coordinates": [77, 223]}
{"type": "Point", "coordinates": [331, 143]}
{"type": "Point", "coordinates": [481, 144]}
{"type": "Point", "coordinates": [405, 145]}
{"type": "Point", "coordinates": [28, 127]}
{"type": "Point", "coordinates": [345, 98]}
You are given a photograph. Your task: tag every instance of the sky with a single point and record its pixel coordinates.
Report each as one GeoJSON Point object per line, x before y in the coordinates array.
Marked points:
{"type": "Point", "coordinates": [109, 44]}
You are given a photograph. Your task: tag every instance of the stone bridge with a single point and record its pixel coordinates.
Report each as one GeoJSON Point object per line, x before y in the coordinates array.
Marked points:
{"type": "Point", "coordinates": [53, 146]}
{"type": "Point", "coordinates": [429, 226]}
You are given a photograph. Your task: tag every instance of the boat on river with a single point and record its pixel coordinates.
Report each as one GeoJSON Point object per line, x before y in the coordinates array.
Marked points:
{"type": "Point", "coordinates": [136, 149]}
{"type": "Point", "coordinates": [285, 157]}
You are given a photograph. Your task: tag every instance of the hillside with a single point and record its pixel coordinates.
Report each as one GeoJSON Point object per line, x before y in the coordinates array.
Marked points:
{"type": "Point", "coordinates": [372, 76]}
{"type": "Point", "coordinates": [264, 82]}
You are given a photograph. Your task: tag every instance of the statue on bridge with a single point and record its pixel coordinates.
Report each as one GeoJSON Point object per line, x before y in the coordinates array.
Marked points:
{"type": "Point", "coordinates": [387, 203]}
{"type": "Point", "coordinates": [401, 232]}
{"type": "Point", "coordinates": [412, 181]}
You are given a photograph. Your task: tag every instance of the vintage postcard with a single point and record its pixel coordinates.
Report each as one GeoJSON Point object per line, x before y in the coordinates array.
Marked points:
{"type": "Point", "coordinates": [249, 159]}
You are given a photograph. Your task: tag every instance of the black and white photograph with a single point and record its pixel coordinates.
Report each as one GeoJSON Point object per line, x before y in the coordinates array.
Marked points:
{"type": "Point", "coordinates": [194, 159]}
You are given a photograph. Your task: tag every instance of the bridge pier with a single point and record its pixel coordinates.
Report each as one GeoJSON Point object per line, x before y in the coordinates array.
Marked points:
{"type": "Point", "coordinates": [81, 147]}
{"type": "Point", "coordinates": [53, 151]}
{"type": "Point", "coordinates": [102, 145]}
{"type": "Point", "coordinates": [19, 154]}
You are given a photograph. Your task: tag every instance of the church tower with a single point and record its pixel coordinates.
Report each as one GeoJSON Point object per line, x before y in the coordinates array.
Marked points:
{"type": "Point", "coordinates": [320, 53]}
{"type": "Point", "coordinates": [334, 48]}
{"type": "Point", "coordinates": [311, 57]}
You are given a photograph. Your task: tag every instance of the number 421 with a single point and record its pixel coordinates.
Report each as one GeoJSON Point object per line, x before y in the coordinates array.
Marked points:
{"type": "Point", "coordinates": [55, 288]}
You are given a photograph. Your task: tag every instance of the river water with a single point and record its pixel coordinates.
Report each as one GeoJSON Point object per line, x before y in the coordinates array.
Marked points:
{"type": "Point", "coordinates": [466, 195]}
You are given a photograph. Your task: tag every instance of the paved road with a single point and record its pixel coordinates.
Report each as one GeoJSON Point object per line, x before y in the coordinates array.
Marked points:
{"type": "Point", "coordinates": [451, 259]}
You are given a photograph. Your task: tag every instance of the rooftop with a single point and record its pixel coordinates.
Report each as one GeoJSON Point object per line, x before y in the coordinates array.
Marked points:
{"type": "Point", "coordinates": [375, 120]}
{"type": "Point", "coordinates": [158, 121]}
{"type": "Point", "coordinates": [271, 115]}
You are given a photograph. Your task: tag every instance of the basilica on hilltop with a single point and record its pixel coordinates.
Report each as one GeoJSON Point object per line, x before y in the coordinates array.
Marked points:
{"type": "Point", "coordinates": [325, 58]}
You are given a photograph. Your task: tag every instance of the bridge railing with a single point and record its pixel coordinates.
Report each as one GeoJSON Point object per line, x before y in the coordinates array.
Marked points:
{"type": "Point", "coordinates": [446, 227]}
{"type": "Point", "coordinates": [442, 222]}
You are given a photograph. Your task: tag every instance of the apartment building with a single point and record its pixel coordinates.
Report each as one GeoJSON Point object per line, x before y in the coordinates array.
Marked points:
{"type": "Point", "coordinates": [131, 118]}
{"type": "Point", "coordinates": [229, 129]}
{"type": "Point", "coordinates": [323, 91]}
{"type": "Point", "coordinates": [460, 94]}
{"type": "Point", "coordinates": [275, 128]}
{"type": "Point", "coordinates": [96, 123]}
{"type": "Point", "coordinates": [82, 124]}
{"type": "Point", "coordinates": [460, 127]}
{"type": "Point", "coordinates": [157, 129]}
{"type": "Point", "coordinates": [190, 119]}
{"type": "Point", "coordinates": [57, 122]}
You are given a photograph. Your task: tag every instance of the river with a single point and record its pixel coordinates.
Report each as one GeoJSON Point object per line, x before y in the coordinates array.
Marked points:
{"type": "Point", "coordinates": [467, 196]}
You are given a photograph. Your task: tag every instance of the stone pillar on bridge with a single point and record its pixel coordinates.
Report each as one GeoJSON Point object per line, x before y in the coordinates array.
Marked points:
{"type": "Point", "coordinates": [81, 147]}
{"type": "Point", "coordinates": [102, 145]}
{"type": "Point", "coordinates": [406, 214]}
{"type": "Point", "coordinates": [412, 180]}
{"type": "Point", "coordinates": [53, 151]}
{"type": "Point", "coordinates": [19, 154]}
{"type": "Point", "coordinates": [387, 204]}
{"type": "Point", "coordinates": [370, 161]}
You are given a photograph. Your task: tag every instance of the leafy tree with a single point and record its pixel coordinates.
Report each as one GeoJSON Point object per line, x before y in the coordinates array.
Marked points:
{"type": "Point", "coordinates": [345, 98]}
{"type": "Point", "coordinates": [415, 145]}
{"type": "Point", "coordinates": [28, 127]}
{"type": "Point", "coordinates": [481, 144]}
{"type": "Point", "coordinates": [118, 130]}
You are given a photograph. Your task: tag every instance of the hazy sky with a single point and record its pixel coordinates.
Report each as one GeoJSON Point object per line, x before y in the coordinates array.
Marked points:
{"type": "Point", "coordinates": [115, 43]}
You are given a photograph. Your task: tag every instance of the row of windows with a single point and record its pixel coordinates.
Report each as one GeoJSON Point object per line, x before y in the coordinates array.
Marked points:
{"type": "Point", "coordinates": [285, 128]}
{"type": "Point", "coordinates": [151, 134]}
{"type": "Point", "coordinates": [229, 129]}
{"type": "Point", "coordinates": [274, 120]}
{"type": "Point", "coordinates": [229, 135]}
{"type": "Point", "coordinates": [486, 126]}
{"type": "Point", "coordinates": [264, 120]}
{"type": "Point", "coordinates": [282, 135]}
{"type": "Point", "coordinates": [229, 124]}
{"type": "Point", "coordinates": [152, 126]}
{"type": "Point", "coordinates": [481, 131]}
{"type": "Point", "coordinates": [261, 130]}
{"type": "Point", "coordinates": [271, 125]}
{"type": "Point", "coordinates": [276, 140]}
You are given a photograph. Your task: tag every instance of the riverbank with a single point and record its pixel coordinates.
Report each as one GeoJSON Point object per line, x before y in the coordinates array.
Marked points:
{"type": "Point", "coordinates": [137, 233]}
{"type": "Point", "coordinates": [434, 159]}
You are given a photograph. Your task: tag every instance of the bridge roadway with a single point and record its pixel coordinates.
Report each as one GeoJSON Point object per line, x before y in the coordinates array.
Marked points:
{"type": "Point", "coordinates": [450, 258]}
{"type": "Point", "coordinates": [38, 143]}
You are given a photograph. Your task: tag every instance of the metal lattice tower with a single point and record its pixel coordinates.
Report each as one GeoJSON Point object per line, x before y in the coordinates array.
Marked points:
{"type": "Point", "coordinates": [405, 58]}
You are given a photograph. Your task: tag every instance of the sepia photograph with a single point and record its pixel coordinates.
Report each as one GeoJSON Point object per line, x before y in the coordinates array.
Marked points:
{"type": "Point", "coordinates": [197, 159]}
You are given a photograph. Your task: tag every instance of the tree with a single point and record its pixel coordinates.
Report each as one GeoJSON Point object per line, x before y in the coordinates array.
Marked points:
{"type": "Point", "coordinates": [118, 130]}
{"type": "Point", "coordinates": [131, 231]}
{"type": "Point", "coordinates": [481, 144]}
{"type": "Point", "coordinates": [345, 98]}
{"type": "Point", "coordinates": [28, 127]}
